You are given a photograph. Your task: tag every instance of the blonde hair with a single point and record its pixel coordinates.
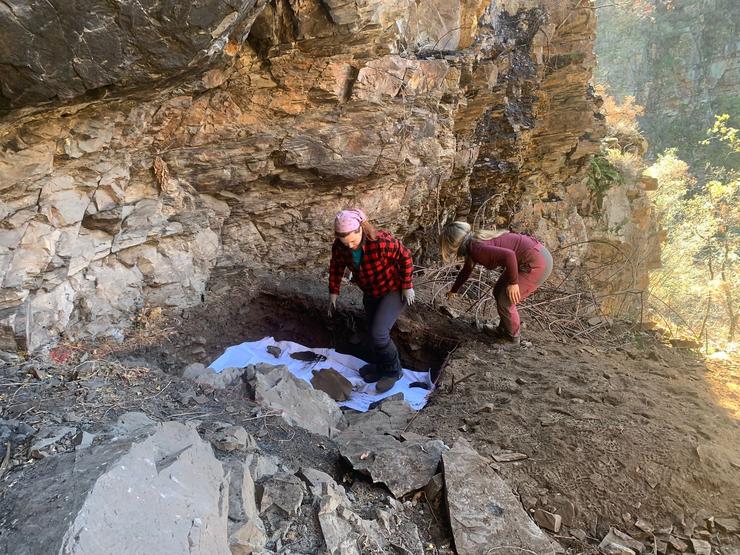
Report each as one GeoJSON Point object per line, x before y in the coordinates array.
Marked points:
{"type": "Point", "coordinates": [454, 238]}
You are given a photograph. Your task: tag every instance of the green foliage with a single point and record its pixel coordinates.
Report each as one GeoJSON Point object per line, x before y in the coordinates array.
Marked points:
{"type": "Point", "coordinates": [602, 176]}
{"type": "Point", "coordinates": [676, 60]}
{"type": "Point", "coordinates": [700, 254]}
{"type": "Point", "coordinates": [723, 133]}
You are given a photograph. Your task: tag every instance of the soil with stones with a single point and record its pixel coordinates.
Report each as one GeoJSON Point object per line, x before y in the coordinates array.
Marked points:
{"type": "Point", "coordinates": [637, 436]}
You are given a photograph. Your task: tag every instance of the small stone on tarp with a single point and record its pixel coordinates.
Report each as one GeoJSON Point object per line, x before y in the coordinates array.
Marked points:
{"type": "Point", "coordinates": [307, 356]}
{"type": "Point", "coordinates": [332, 383]}
{"type": "Point", "coordinates": [274, 350]}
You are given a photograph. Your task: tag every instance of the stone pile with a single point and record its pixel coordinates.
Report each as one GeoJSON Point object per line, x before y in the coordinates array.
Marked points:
{"type": "Point", "coordinates": [148, 487]}
{"type": "Point", "coordinates": [482, 509]}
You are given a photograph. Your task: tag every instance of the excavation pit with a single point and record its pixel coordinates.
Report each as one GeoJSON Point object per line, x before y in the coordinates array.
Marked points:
{"type": "Point", "coordinates": [204, 332]}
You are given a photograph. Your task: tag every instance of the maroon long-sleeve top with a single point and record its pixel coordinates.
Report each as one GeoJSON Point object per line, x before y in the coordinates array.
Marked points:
{"type": "Point", "coordinates": [509, 251]}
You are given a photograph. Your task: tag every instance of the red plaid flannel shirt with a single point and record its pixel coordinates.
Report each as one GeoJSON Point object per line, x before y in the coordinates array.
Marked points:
{"type": "Point", "coordinates": [385, 267]}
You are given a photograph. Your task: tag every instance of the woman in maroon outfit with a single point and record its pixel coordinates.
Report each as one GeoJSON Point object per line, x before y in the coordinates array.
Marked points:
{"type": "Point", "coordinates": [526, 263]}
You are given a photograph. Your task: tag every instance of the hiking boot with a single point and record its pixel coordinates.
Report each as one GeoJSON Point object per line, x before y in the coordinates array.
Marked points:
{"type": "Point", "coordinates": [370, 373]}
{"type": "Point", "coordinates": [507, 341]}
{"type": "Point", "coordinates": [387, 381]}
{"type": "Point", "coordinates": [494, 332]}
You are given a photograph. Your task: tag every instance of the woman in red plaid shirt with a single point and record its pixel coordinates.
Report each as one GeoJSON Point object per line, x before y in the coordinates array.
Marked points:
{"type": "Point", "coordinates": [381, 266]}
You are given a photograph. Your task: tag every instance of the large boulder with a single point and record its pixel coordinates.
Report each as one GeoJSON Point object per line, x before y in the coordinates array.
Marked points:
{"type": "Point", "coordinates": [162, 492]}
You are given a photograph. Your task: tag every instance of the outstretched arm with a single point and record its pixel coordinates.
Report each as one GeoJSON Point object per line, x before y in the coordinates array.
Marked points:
{"type": "Point", "coordinates": [402, 257]}
{"type": "Point", "coordinates": [464, 274]}
{"type": "Point", "coordinates": [337, 266]}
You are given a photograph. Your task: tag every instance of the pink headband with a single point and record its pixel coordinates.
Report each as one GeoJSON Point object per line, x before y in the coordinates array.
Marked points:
{"type": "Point", "coordinates": [349, 220]}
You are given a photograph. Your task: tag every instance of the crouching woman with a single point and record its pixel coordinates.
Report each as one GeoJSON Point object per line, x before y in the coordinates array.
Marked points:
{"type": "Point", "coordinates": [525, 261]}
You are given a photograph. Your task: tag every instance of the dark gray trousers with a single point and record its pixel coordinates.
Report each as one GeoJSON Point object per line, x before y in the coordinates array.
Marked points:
{"type": "Point", "coordinates": [382, 313]}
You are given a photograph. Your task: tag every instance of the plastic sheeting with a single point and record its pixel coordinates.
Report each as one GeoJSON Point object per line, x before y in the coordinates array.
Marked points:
{"type": "Point", "coordinates": [363, 394]}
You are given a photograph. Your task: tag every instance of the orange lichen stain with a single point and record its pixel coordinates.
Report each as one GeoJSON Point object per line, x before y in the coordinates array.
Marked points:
{"type": "Point", "coordinates": [232, 48]}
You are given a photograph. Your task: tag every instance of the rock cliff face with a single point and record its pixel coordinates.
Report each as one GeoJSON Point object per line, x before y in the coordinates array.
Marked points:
{"type": "Point", "coordinates": [144, 145]}
{"type": "Point", "coordinates": [681, 62]}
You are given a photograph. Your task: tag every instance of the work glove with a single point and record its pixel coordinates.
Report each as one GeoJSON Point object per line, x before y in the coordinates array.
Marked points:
{"type": "Point", "coordinates": [332, 303]}
{"type": "Point", "coordinates": [408, 296]}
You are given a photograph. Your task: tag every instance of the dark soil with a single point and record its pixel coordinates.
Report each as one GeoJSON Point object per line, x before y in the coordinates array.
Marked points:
{"type": "Point", "coordinates": [621, 432]}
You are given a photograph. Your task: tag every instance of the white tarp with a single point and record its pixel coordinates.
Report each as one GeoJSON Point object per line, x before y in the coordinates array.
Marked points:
{"type": "Point", "coordinates": [363, 394]}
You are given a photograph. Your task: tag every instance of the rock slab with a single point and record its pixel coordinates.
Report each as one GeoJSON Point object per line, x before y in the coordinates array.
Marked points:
{"type": "Point", "coordinates": [163, 492]}
{"type": "Point", "coordinates": [404, 462]}
{"type": "Point", "coordinates": [300, 405]}
{"type": "Point", "coordinates": [485, 516]}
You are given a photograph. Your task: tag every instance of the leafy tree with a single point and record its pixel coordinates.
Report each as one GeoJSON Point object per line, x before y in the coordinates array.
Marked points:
{"type": "Point", "coordinates": [700, 254]}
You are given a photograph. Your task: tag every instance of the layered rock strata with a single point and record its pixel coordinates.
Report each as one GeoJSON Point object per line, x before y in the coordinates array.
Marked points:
{"type": "Point", "coordinates": [126, 188]}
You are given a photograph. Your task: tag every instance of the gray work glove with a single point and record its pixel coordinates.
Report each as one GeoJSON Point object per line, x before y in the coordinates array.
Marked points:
{"type": "Point", "coordinates": [408, 296]}
{"type": "Point", "coordinates": [332, 303]}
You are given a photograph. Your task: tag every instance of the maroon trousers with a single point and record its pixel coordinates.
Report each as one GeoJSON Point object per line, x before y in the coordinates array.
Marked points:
{"type": "Point", "coordinates": [528, 282]}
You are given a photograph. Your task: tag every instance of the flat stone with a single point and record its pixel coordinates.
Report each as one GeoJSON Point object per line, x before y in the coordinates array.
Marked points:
{"type": "Point", "coordinates": [248, 539]}
{"type": "Point", "coordinates": [731, 525]}
{"type": "Point", "coordinates": [617, 542]}
{"type": "Point", "coordinates": [332, 383]}
{"type": "Point", "coordinates": [547, 520]}
{"type": "Point", "coordinates": [131, 423]}
{"type": "Point", "coordinates": [609, 548]}
{"type": "Point", "coordinates": [484, 513]}
{"type": "Point", "coordinates": [262, 465]}
{"type": "Point", "coordinates": [645, 526]}
{"type": "Point", "coordinates": [578, 534]}
{"type": "Point", "coordinates": [508, 457]}
{"type": "Point", "coordinates": [701, 547]}
{"type": "Point", "coordinates": [246, 530]}
{"type": "Point", "coordinates": [565, 508]}
{"type": "Point", "coordinates": [314, 479]}
{"type": "Point", "coordinates": [390, 416]}
{"type": "Point", "coordinates": [232, 438]}
{"type": "Point", "coordinates": [284, 491]}
{"type": "Point", "coordinates": [677, 544]}
{"type": "Point", "coordinates": [47, 438]}
{"type": "Point", "coordinates": [404, 463]}
{"type": "Point", "coordinates": [202, 375]}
